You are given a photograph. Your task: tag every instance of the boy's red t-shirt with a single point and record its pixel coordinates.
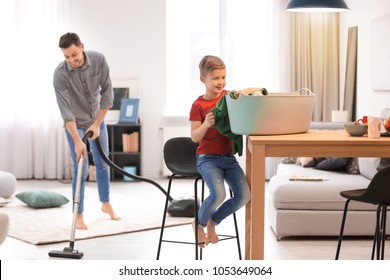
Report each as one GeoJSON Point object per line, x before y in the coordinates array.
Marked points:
{"type": "Point", "coordinates": [213, 142]}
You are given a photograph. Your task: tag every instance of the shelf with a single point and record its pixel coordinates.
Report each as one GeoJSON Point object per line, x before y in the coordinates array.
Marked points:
{"type": "Point", "coordinates": [117, 154]}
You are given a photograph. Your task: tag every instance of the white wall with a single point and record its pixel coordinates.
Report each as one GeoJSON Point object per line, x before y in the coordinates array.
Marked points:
{"type": "Point", "coordinates": [131, 34]}
{"type": "Point", "coordinates": [361, 13]}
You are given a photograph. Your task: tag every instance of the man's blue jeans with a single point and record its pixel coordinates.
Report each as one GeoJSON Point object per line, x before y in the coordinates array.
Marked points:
{"type": "Point", "coordinates": [215, 169]}
{"type": "Point", "coordinates": [102, 169]}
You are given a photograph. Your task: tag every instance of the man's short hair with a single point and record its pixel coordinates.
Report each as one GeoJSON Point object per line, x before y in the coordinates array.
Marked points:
{"type": "Point", "coordinates": [210, 63]}
{"type": "Point", "coordinates": [69, 39]}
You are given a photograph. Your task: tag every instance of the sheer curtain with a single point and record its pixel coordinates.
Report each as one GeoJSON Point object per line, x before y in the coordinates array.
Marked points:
{"type": "Point", "coordinates": [315, 59]}
{"type": "Point", "coordinates": [32, 143]}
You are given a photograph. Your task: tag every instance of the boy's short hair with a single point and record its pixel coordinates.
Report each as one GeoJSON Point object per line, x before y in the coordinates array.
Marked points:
{"type": "Point", "coordinates": [69, 39]}
{"type": "Point", "coordinates": [210, 63]}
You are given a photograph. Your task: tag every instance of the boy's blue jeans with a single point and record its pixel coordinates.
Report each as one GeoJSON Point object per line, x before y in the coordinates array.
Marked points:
{"type": "Point", "coordinates": [102, 170]}
{"type": "Point", "coordinates": [215, 169]}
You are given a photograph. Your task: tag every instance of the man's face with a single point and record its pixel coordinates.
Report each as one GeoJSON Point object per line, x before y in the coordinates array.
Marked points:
{"type": "Point", "coordinates": [74, 55]}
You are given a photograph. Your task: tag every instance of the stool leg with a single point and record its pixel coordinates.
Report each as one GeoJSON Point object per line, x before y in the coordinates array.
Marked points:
{"type": "Point", "coordinates": [202, 199]}
{"type": "Point", "coordinates": [342, 229]}
{"type": "Point", "coordinates": [376, 243]}
{"type": "Point", "coordinates": [164, 216]}
{"type": "Point", "coordinates": [383, 230]}
{"type": "Point", "coordinates": [236, 229]}
{"type": "Point", "coordinates": [196, 218]}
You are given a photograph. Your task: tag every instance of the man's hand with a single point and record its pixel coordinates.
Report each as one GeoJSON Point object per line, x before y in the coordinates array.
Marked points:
{"type": "Point", "coordinates": [95, 129]}
{"type": "Point", "coordinates": [80, 149]}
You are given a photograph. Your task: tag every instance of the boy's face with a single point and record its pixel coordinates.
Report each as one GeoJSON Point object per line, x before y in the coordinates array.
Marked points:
{"type": "Point", "coordinates": [214, 81]}
{"type": "Point", "coordinates": [74, 55]}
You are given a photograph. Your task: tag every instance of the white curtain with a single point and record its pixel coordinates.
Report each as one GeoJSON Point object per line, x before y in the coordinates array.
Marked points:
{"type": "Point", "coordinates": [315, 59]}
{"type": "Point", "coordinates": [32, 143]}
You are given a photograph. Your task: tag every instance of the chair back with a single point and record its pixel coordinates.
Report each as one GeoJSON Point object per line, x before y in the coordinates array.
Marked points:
{"type": "Point", "coordinates": [180, 156]}
{"type": "Point", "coordinates": [378, 191]}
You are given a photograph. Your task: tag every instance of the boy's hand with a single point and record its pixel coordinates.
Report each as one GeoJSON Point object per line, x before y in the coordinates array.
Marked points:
{"type": "Point", "coordinates": [209, 120]}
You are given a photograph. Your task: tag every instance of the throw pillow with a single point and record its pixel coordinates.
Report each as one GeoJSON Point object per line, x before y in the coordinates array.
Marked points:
{"type": "Point", "coordinates": [383, 162]}
{"type": "Point", "coordinates": [288, 160]}
{"type": "Point", "coordinates": [367, 167]}
{"type": "Point", "coordinates": [42, 198]}
{"type": "Point", "coordinates": [306, 161]}
{"type": "Point", "coordinates": [352, 166]}
{"type": "Point", "coordinates": [332, 163]}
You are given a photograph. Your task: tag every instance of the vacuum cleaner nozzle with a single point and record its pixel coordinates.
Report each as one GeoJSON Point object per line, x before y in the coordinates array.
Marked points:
{"type": "Point", "coordinates": [68, 253]}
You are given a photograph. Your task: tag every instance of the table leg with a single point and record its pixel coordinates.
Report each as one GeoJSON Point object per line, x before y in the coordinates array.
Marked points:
{"type": "Point", "coordinates": [248, 205]}
{"type": "Point", "coordinates": [254, 228]}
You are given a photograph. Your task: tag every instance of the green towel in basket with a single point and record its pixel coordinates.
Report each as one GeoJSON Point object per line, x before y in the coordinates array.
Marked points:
{"type": "Point", "coordinates": [222, 124]}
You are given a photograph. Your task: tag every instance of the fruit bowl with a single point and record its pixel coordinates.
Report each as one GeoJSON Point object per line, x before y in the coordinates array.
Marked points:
{"type": "Point", "coordinates": [386, 124]}
{"type": "Point", "coordinates": [355, 129]}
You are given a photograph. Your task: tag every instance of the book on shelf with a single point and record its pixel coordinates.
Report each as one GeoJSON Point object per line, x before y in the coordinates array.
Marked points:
{"type": "Point", "coordinates": [129, 169]}
{"type": "Point", "coordinates": [130, 142]}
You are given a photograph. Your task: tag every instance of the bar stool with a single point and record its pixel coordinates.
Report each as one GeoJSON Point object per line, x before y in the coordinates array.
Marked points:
{"type": "Point", "coordinates": [180, 158]}
{"type": "Point", "coordinates": [377, 193]}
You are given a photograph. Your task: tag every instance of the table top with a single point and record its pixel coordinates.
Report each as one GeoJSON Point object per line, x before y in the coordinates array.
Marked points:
{"type": "Point", "coordinates": [322, 143]}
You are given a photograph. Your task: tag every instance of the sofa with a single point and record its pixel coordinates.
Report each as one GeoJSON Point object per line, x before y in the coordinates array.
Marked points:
{"type": "Point", "coordinates": [315, 208]}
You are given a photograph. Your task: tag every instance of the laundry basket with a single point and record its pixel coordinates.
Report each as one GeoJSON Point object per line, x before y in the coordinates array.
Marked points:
{"type": "Point", "coordinates": [275, 113]}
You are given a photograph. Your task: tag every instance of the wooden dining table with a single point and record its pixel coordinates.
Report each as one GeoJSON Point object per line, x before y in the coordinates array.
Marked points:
{"type": "Point", "coordinates": [322, 143]}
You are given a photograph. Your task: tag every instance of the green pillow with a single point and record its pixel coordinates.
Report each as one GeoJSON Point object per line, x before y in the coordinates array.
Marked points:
{"type": "Point", "coordinates": [42, 199]}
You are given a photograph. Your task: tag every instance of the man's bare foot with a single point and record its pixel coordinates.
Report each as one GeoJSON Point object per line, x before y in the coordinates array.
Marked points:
{"type": "Point", "coordinates": [202, 240]}
{"type": "Point", "coordinates": [211, 234]}
{"type": "Point", "coordinates": [80, 222]}
{"type": "Point", "coordinates": [107, 208]}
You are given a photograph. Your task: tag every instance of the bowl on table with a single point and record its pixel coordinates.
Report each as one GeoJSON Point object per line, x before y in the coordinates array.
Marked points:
{"type": "Point", "coordinates": [356, 129]}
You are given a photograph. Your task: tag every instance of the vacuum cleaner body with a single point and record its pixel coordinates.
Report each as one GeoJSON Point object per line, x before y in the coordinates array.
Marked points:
{"type": "Point", "coordinates": [183, 207]}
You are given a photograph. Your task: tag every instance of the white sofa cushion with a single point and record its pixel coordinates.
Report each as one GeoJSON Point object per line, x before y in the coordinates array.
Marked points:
{"type": "Point", "coordinates": [309, 195]}
{"type": "Point", "coordinates": [367, 167]}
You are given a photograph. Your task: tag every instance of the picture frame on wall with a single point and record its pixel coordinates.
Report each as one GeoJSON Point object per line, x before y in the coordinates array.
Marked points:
{"type": "Point", "coordinates": [129, 111]}
{"type": "Point", "coordinates": [124, 88]}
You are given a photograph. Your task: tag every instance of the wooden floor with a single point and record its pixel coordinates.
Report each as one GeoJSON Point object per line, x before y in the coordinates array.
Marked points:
{"type": "Point", "coordinates": [143, 245]}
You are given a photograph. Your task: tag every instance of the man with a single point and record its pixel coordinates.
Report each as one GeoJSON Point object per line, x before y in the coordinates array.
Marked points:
{"type": "Point", "coordinates": [84, 95]}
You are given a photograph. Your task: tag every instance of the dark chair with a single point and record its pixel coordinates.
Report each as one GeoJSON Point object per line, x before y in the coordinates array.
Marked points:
{"type": "Point", "coordinates": [377, 193]}
{"type": "Point", "coordinates": [180, 158]}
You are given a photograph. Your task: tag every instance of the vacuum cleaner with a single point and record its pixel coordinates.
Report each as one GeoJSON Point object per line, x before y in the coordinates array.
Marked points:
{"type": "Point", "coordinates": [182, 207]}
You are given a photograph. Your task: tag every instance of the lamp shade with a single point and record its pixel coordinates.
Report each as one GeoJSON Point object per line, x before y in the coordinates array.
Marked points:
{"type": "Point", "coordinates": [316, 6]}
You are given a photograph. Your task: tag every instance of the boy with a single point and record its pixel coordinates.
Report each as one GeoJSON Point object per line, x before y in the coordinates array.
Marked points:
{"type": "Point", "coordinates": [215, 161]}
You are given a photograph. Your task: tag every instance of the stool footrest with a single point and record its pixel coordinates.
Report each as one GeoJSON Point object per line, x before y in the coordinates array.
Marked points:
{"type": "Point", "coordinates": [180, 242]}
{"type": "Point", "coordinates": [223, 238]}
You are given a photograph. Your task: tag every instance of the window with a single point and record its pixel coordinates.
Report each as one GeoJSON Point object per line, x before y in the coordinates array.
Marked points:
{"type": "Point", "coordinates": [240, 32]}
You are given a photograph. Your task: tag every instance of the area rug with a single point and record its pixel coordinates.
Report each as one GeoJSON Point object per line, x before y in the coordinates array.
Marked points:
{"type": "Point", "coordinates": [52, 225]}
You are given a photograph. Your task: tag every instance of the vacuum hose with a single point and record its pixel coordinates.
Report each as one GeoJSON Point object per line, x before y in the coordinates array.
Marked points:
{"type": "Point", "coordinates": [120, 170]}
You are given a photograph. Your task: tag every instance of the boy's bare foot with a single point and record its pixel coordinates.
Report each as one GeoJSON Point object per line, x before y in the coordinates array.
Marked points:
{"type": "Point", "coordinates": [202, 240]}
{"type": "Point", "coordinates": [211, 234]}
{"type": "Point", "coordinates": [80, 222]}
{"type": "Point", "coordinates": [107, 208]}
